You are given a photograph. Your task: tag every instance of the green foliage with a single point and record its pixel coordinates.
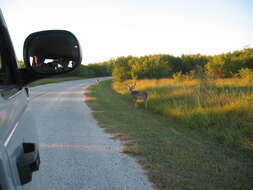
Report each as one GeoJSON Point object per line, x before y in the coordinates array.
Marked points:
{"type": "Point", "coordinates": [246, 74]}
{"type": "Point", "coordinates": [175, 156]}
{"type": "Point", "coordinates": [86, 71]}
{"type": "Point", "coordinates": [158, 66]}
{"type": "Point", "coordinates": [179, 76]}
{"type": "Point", "coordinates": [191, 75]}
{"type": "Point", "coordinates": [215, 67]}
{"type": "Point", "coordinates": [152, 66]}
{"type": "Point", "coordinates": [164, 66]}
{"type": "Point", "coordinates": [82, 72]}
{"type": "Point", "coordinates": [229, 64]}
{"type": "Point", "coordinates": [219, 66]}
{"type": "Point", "coordinates": [191, 62]}
{"type": "Point", "coordinates": [221, 109]}
{"type": "Point", "coordinates": [91, 70]}
{"type": "Point", "coordinates": [21, 64]}
{"type": "Point", "coordinates": [121, 68]}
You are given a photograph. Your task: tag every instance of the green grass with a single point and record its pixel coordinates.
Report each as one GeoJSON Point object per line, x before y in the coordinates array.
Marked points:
{"type": "Point", "coordinates": [175, 157]}
{"type": "Point", "coordinates": [221, 110]}
{"type": "Point", "coordinates": [53, 80]}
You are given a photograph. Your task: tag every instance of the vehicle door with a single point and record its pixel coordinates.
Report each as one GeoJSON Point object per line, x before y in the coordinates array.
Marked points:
{"type": "Point", "coordinates": [19, 155]}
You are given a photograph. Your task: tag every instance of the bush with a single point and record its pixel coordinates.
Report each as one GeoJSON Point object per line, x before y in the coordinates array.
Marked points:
{"type": "Point", "coordinates": [191, 75]}
{"type": "Point", "coordinates": [179, 76]}
{"type": "Point", "coordinates": [246, 74]}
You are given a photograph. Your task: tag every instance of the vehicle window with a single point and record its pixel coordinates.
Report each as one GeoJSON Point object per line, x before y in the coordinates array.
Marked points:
{"type": "Point", "coordinates": [1, 68]}
{"type": "Point", "coordinates": [0, 61]}
{"type": "Point", "coordinates": [3, 72]}
{"type": "Point", "coordinates": [7, 85]}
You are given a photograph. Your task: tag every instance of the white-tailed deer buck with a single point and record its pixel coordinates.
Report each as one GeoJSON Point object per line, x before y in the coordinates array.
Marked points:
{"type": "Point", "coordinates": [141, 95]}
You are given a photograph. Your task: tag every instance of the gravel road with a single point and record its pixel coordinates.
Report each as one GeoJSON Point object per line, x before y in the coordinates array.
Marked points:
{"type": "Point", "coordinates": [76, 153]}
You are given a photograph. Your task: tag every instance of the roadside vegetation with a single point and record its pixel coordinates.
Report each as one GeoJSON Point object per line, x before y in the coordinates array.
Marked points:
{"type": "Point", "coordinates": [83, 72]}
{"type": "Point", "coordinates": [220, 109]}
{"type": "Point", "coordinates": [211, 94]}
{"type": "Point", "coordinates": [225, 65]}
{"type": "Point", "coordinates": [195, 134]}
{"type": "Point", "coordinates": [197, 130]}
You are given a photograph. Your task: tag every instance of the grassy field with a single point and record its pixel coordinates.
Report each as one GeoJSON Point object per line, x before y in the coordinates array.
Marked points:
{"type": "Point", "coordinates": [221, 110]}
{"type": "Point", "coordinates": [175, 156]}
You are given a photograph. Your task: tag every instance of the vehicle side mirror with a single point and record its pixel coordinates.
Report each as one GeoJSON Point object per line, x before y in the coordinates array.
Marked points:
{"type": "Point", "coordinates": [52, 52]}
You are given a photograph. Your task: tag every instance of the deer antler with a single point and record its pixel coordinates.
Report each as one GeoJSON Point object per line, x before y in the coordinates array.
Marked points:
{"type": "Point", "coordinates": [127, 85]}
{"type": "Point", "coordinates": [134, 84]}
{"type": "Point", "coordinates": [131, 85]}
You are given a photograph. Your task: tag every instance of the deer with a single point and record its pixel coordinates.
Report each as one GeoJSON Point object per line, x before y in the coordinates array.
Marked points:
{"type": "Point", "coordinates": [141, 95]}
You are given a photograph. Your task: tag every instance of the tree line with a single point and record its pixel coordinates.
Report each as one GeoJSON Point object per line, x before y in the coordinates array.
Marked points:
{"type": "Point", "coordinates": [85, 71]}
{"type": "Point", "coordinates": [225, 65]}
{"type": "Point", "coordinates": [165, 66]}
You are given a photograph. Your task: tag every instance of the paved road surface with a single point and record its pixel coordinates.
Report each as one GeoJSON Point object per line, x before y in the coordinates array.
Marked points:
{"type": "Point", "coordinates": [76, 153]}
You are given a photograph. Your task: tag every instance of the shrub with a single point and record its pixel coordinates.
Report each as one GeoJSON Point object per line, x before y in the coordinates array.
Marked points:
{"type": "Point", "coordinates": [179, 76]}
{"type": "Point", "coordinates": [246, 74]}
{"type": "Point", "coordinates": [191, 75]}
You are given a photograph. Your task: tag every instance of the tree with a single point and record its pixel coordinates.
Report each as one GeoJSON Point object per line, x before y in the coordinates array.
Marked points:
{"type": "Point", "coordinates": [121, 69]}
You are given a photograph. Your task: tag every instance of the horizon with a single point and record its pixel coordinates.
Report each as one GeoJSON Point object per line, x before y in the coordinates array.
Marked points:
{"type": "Point", "coordinates": [110, 29]}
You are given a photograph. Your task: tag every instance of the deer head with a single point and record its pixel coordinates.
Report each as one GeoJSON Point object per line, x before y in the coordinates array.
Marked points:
{"type": "Point", "coordinates": [131, 87]}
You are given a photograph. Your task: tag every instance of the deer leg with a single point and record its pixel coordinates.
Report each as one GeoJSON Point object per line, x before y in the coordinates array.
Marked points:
{"type": "Point", "coordinates": [145, 103]}
{"type": "Point", "coordinates": [135, 102]}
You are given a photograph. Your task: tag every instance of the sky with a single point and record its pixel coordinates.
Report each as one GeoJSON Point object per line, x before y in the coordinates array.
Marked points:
{"type": "Point", "coordinates": [111, 28]}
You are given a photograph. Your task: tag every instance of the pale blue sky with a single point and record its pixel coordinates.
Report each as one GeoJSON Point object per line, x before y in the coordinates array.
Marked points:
{"type": "Point", "coordinates": [111, 28]}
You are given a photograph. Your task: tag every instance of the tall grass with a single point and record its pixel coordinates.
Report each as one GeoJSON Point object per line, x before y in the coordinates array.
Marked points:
{"type": "Point", "coordinates": [220, 109]}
